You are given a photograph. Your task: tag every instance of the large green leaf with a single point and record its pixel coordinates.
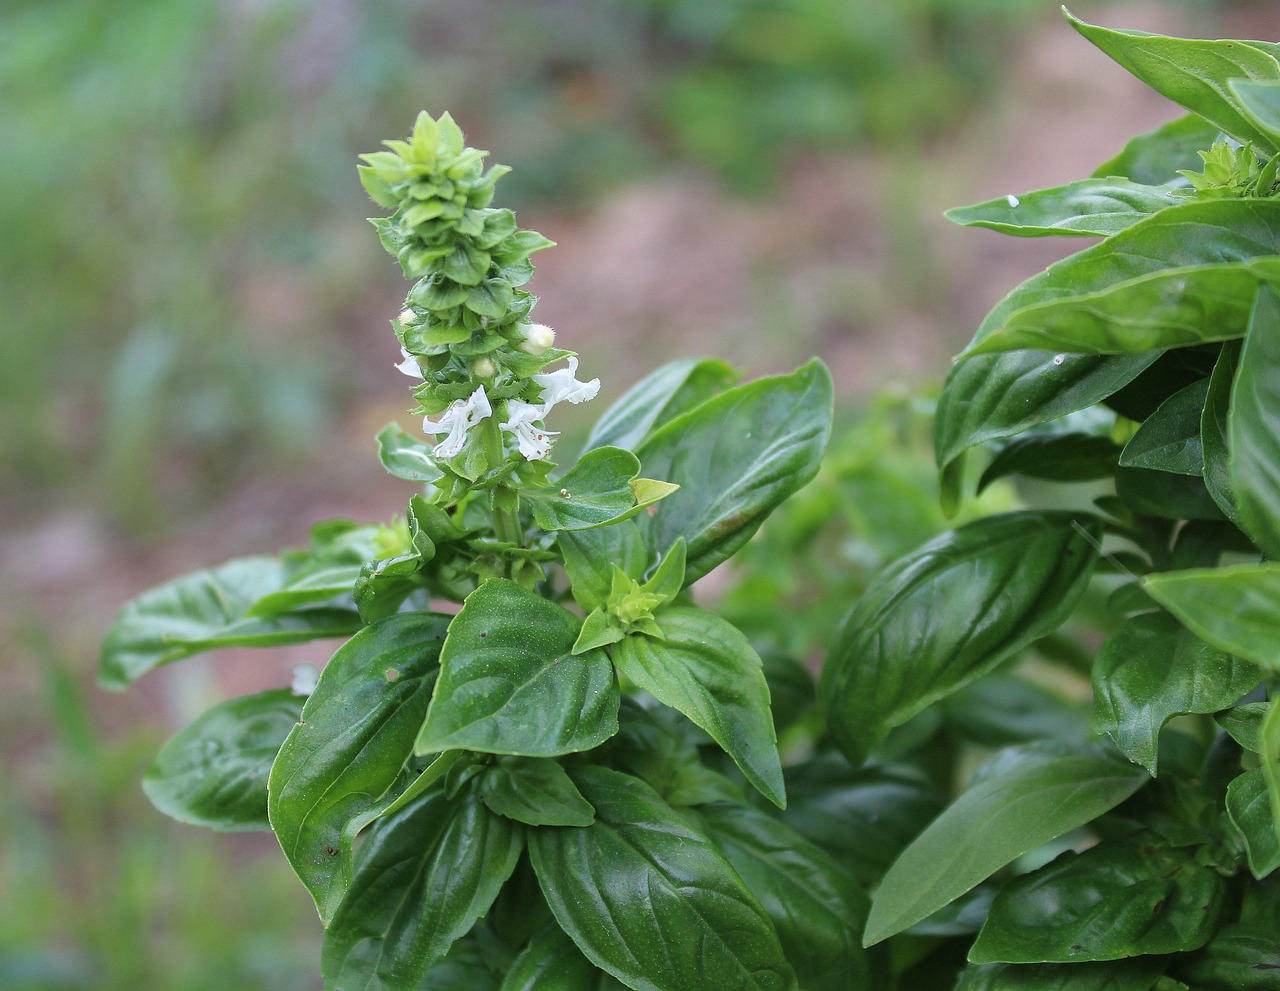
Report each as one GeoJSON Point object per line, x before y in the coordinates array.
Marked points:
{"type": "Point", "coordinates": [468, 966]}
{"type": "Point", "coordinates": [207, 610]}
{"type": "Point", "coordinates": [1118, 899]}
{"type": "Point", "coordinates": [736, 458]}
{"type": "Point", "coordinates": [1237, 609]}
{"type": "Point", "coordinates": [214, 772]}
{"type": "Point", "coordinates": [1239, 958]}
{"type": "Point", "coordinates": [422, 879]}
{"type": "Point", "coordinates": [950, 612]}
{"type": "Point", "coordinates": [1169, 439]}
{"type": "Point", "coordinates": [1253, 426]}
{"type": "Point", "coordinates": [1260, 102]}
{"type": "Point", "coordinates": [602, 488]}
{"type": "Point", "coordinates": [862, 816]}
{"type": "Point", "coordinates": [1192, 73]}
{"type": "Point", "coordinates": [535, 791]}
{"type": "Point", "coordinates": [660, 396]}
{"type": "Point", "coordinates": [1170, 308]}
{"type": "Point", "coordinates": [1096, 207]}
{"type": "Point", "coordinates": [1133, 974]}
{"type": "Point", "coordinates": [651, 900]}
{"type": "Point", "coordinates": [1155, 157]}
{"type": "Point", "coordinates": [1152, 669]}
{"type": "Point", "coordinates": [339, 764]}
{"type": "Point", "coordinates": [1249, 806]}
{"type": "Point", "coordinates": [707, 669]}
{"type": "Point", "coordinates": [991, 396]}
{"type": "Point", "coordinates": [509, 684]}
{"type": "Point", "coordinates": [815, 903]}
{"type": "Point", "coordinates": [589, 559]}
{"type": "Point", "coordinates": [1214, 430]}
{"type": "Point", "coordinates": [1025, 797]}
{"type": "Point", "coordinates": [551, 962]}
{"type": "Point", "coordinates": [1071, 457]}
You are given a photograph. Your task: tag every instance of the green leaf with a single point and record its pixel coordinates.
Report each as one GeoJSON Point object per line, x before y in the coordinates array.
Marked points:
{"type": "Point", "coordinates": [535, 791]}
{"type": "Point", "coordinates": [1170, 308]}
{"type": "Point", "coordinates": [599, 490]}
{"type": "Point", "coordinates": [1254, 418]}
{"type": "Point", "coordinates": [1270, 757]}
{"type": "Point", "coordinates": [659, 397]}
{"type": "Point", "coordinates": [1240, 958]}
{"type": "Point", "coordinates": [1243, 724]}
{"type": "Point", "coordinates": [1090, 207]}
{"type": "Point", "coordinates": [1002, 709]}
{"type": "Point", "coordinates": [1192, 73]}
{"type": "Point", "coordinates": [863, 816]}
{"type": "Point", "coordinates": [208, 610]}
{"type": "Point", "coordinates": [406, 456]}
{"type": "Point", "coordinates": [1152, 669]}
{"type": "Point", "coordinates": [1214, 429]}
{"type": "Point", "coordinates": [422, 879]}
{"type": "Point", "coordinates": [509, 683]}
{"type": "Point", "coordinates": [704, 667]}
{"type": "Point", "coordinates": [466, 967]}
{"type": "Point", "coordinates": [1164, 495]}
{"type": "Point", "coordinates": [1027, 796]}
{"type": "Point", "coordinates": [1169, 439]}
{"type": "Point", "coordinates": [815, 904]}
{"type": "Point", "coordinates": [340, 764]}
{"type": "Point", "coordinates": [1054, 457]}
{"type": "Point", "coordinates": [1154, 158]}
{"type": "Point", "coordinates": [1236, 609]}
{"type": "Point", "coordinates": [991, 396]}
{"type": "Point", "coordinates": [589, 558]}
{"type": "Point", "coordinates": [1260, 102]}
{"type": "Point", "coordinates": [1249, 807]}
{"type": "Point", "coordinates": [551, 962]}
{"type": "Point", "coordinates": [214, 772]}
{"type": "Point", "coordinates": [1119, 899]}
{"type": "Point", "coordinates": [1133, 974]}
{"type": "Point", "coordinates": [736, 458]}
{"type": "Point", "coordinates": [651, 900]}
{"type": "Point", "coordinates": [950, 612]}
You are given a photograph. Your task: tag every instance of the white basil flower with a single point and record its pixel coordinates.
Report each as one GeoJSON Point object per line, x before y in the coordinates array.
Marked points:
{"type": "Point", "coordinates": [410, 365]}
{"type": "Point", "coordinates": [457, 420]}
{"type": "Point", "coordinates": [560, 386]}
{"type": "Point", "coordinates": [534, 441]}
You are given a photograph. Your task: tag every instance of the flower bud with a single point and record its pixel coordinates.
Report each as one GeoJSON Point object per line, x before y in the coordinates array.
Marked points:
{"type": "Point", "coordinates": [538, 338]}
{"type": "Point", "coordinates": [484, 368]}
{"type": "Point", "coordinates": [407, 318]}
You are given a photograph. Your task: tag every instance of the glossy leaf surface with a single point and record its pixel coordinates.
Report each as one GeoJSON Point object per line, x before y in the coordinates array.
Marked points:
{"type": "Point", "coordinates": [1155, 157]}
{"type": "Point", "coordinates": [1249, 806]}
{"type": "Point", "coordinates": [736, 458]}
{"type": "Point", "coordinates": [1169, 439]}
{"type": "Point", "coordinates": [948, 613]}
{"type": "Point", "coordinates": [1152, 669]}
{"type": "Point", "coordinates": [1074, 457]}
{"type": "Point", "coordinates": [1133, 974]}
{"type": "Point", "coordinates": [509, 684]}
{"type": "Point", "coordinates": [1237, 609]}
{"type": "Point", "coordinates": [1025, 797]}
{"type": "Point", "coordinates": [213, 772]}
{"type": "Point", "coordinates": [1254, 426]}
{"type": "Point", "coordinates": [552, 963]}
{"type": "Point", "coordinates": [659, 397]}
{"type": "Point", "coordinates": [1119, 899]}
{"type": "Point", "coordinates": [1090, 207]}
{"type": "Point", "coordinates": [1214, 431]}
{"type": "Point", "coordinates": [535, 791]}
{"type": "Point", "coordinates": [651, 900]}
{"type": "Point", "coordinates": [207, 610]}
{"type": "Point", "coordinates": [355, 736]}
{"type": "Point", "coordinates": [421, 881]}
{"type": "Point", "coordinates": [601, 488]}
{"type": "Point", "coordinates": [704, 667]}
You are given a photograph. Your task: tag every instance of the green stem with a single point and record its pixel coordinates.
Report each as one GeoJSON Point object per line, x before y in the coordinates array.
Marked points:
{"type": "Point", "coordinates": [505, 522]}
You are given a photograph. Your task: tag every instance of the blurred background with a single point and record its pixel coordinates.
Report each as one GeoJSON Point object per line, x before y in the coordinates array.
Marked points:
{"type": "Point", "coordinates": [196, 349]}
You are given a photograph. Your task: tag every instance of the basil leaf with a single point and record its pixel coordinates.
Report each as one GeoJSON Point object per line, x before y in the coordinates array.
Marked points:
{"type": "Point", "coordinates": [1152, 669]}
{"type": "Point", "coordinates": [1133, 974]}
{"type": "Point", "coordinates": [1214, 430]}
{"type": "Point", "coordinates": [466, 967]}
{"type": "Point", "coordinates": [736, 458]}
{"type": "Point", "coordinates": [659, 397]}
{"type": "Point", "coordinates": [651, 900]}
{"type": "Point", "coordinates": [214, 772]}
{"type": "Point", "coordinates": [816, 905]}
{"type": "Point", "coordinates": [208, 610]}
{"type": "Point", "coordinates": [1119, 899]}
{"type": "Point", "coordinates": [1260, 103]}
{"type": "Point", "coordinates": [1169, 439]}
{"type": "Point", "coordinates": [355, 736]}
{"type": "Point", "coordinates": [1090, 207]}
{"type": "Point", "coordinates": [552, 963]}
{"type": "Point", "coordinates": [1249, 807]}
{"type": "Point", "coordinates": [1236, 609]}
{"type": "Point", "coordinates": [589, 558]}
{"type": "Point", "coordinates": [1155, 157]}
{"type": "Point", "coordinates": [1240, 958]}
{"type": "Point", "coordinates": [1027, 796]}
{"type": "Point", "coordinates": [1192, 73]}
{"type": "Point", "coordinates": [422, 878]}
{"type": "Point", "coordinates": [1253, 419]}
{"type": "Point", "coordinates": [1054, 457]}
{"type": "Point", "coordinates": [535, 791]}
{"type": "Point", "coordinates": [600, 489]}
{"type": "Point", "coordinates": [1003, 709]}
{"type": "Point", "coordinates": [509, 684]}
{"type": "Point", "coordinates": [949, 613]}
{"type": "Point", "coordinates": [704, 667]}
{"type": "Point", "coordinates": [406, 456]}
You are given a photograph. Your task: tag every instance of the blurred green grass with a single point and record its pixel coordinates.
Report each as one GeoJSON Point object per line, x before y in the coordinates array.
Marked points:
{"type": "Point", "coordinates": [189, 286]}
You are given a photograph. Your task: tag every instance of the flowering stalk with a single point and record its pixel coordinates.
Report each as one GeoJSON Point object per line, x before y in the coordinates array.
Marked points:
{"type": "Point", "coordinates": [465, 328]}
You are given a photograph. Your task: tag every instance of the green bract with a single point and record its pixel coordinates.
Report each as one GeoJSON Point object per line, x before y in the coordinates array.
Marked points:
{"type": "Point", "coordinates": [1043, 749]}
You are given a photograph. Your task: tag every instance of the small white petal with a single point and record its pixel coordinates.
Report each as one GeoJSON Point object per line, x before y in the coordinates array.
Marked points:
{"type": "Point", "coordinates": [410, 364]}
{"type": "Point", "coordinates": [305, 679]}
{"type": "Point", "coordinates": [560, 386]}
{"type": "Point", "coordinates": [457, 420]}
{"type": "Point", "coordinates": [533, 441]}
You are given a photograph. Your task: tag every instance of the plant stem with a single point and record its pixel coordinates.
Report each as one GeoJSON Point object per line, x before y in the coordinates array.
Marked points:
{"type": "Point", "coordinates": [505, 522]}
